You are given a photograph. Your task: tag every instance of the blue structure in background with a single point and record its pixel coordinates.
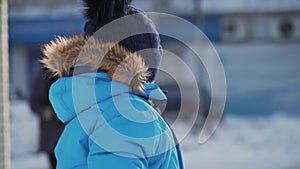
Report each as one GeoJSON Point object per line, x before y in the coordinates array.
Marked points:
{"type": "Point", "coordinates": [212, 27]}
{"type": "Point", "coordinates": [32, 31]}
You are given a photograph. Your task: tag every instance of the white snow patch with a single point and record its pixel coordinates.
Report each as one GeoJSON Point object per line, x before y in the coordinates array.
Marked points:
{"type": "Point", "coordinates": [255, 143]}
{"type": "Point", "coordinates": [24, 138]}
{"type": "Point", "coordinates": [31, 161]}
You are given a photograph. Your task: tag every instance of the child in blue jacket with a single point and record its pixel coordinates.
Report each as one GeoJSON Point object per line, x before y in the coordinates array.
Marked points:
{"type": "Point", "coordinates": [103, 98]}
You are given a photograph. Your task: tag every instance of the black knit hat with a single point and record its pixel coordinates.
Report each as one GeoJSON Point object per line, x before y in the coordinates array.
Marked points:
{"type": "Point", "coordinates": [137, 43]}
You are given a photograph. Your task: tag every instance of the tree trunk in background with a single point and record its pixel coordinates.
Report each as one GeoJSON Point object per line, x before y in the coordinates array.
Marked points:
{"type": "Point", "coordinates": [4, 89]}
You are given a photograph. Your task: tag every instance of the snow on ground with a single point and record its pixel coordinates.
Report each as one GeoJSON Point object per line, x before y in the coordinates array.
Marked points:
{"type": "Point", "coordinates": [247, 143]}
{"type": "Point", "coordinates": [24, 130]}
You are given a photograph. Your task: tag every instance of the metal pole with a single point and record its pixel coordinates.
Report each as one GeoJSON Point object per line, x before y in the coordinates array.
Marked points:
{"type": "Point", "coordinates": [4, 89]}
{"type": "Point", "coordinates": [197, 13]}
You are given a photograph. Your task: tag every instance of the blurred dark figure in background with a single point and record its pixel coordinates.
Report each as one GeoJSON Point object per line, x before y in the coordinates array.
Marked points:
{"type": "Point", "coordinates": [50, 127]}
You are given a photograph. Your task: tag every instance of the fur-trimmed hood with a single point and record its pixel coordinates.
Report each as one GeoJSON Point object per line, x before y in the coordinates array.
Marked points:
{"type": "Point", "coordinates": [64, 54]}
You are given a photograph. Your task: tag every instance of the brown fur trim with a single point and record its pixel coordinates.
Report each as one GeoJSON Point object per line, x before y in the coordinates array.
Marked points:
{"type": "Point", "coordinates": [123, 66]}
{"type": "Point", "coordinates": [61, 54]}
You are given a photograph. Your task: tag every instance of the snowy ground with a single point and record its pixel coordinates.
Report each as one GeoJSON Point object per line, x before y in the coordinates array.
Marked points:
{"type": "Point", "coordinates": [24, 130]}
{"type": "Point", "coordinates": [239, 143]}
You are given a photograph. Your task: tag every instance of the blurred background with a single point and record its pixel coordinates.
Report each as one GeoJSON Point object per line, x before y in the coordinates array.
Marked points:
{"type": "Point", "coordinates": [258, 43]}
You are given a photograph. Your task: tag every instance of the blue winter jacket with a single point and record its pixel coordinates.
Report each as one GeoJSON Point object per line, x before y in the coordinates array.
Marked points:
{"type": "Point", "coordinates": [110, 127]}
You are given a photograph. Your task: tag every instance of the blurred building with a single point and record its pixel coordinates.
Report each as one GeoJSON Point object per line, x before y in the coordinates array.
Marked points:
{"type": "Point", "coordinates": [256, 40]}
{"type": "Point", "coordinates": [259, 46]}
